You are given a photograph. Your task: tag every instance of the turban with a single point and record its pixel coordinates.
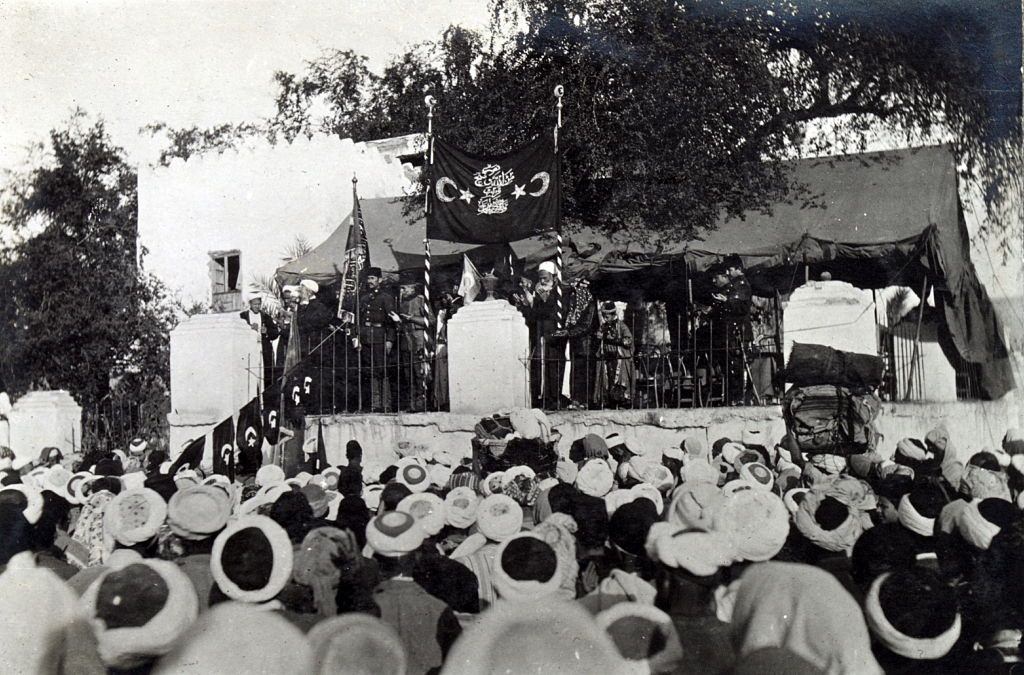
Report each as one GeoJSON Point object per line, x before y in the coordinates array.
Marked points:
{"type": "Point", "coordinates": [1013, 442]}
{"type": "Point", "coordinates": [644, 635]}
{"type": "Point", "coordinates": [595, 478]}
{"type": "Point", "coordinates": [699, 553]}
{"type": "Point", "coordinates": [460, 505]}
{"type": "Point", "coordinates": [252, 559]}
{"type": "Point", "coordinates": [139, 611]}
{"type": "Point", "coordinates": [981, 520]}
{"type": "Point", "coordinates": [648, 491]}
{"type": "Point", "coordinates": [566, 472]}
{"type": "Point", "coordinates": [412, 474]}
{"type": "Point", "coordinates": [839, 539]}
{"type": "Point", "coordinates": [980, 483]}
{"type": "Point", "coordinates": [758, 475]}
{"type": "Point", "coordinates": [357, 643]}
{"type": "Point", "coordinates": [499, 517]}
{"type": "Point", "coordinates": [492, 483]}
{"type": "Point", "coordinates": [269, 474]}
{"type": "Point", "coordinates": [618, 498]}
{"type": "Point", "coordinates": [526, 568]}
{"type": "Point", "coordinates": [134, 516]}
{"type": "Point", "coordinates": [394, 534]}
{"type": "Point", "coordinates": [911, 519]}
{"type": "Point", "coordinates": [198, 512]}
{"type": "Point", "coordinates": [427, 509]}
{"type": "Point", "coordinates": [694, 505]}
{"type": "Point", "coordinates": [698, 470]}
{"type": "Point", "coordinates": [319, 561]}
{"type": "Point", "coordinates": [756, 521]}
{"type": "Point", "coordinates": [549, 267]}
{"type": "Point", "coordinates": [897, 642]}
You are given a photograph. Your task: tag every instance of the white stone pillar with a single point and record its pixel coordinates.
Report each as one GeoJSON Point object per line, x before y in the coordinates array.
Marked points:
{"type": "Point", "coordinates": [41, 419]}
{"type": "Point", "coordinates": [831, 313]}
{"type": "Point", "coordinates": [216, 368]}
{"type": "Point", "coordinates": [488, 358]}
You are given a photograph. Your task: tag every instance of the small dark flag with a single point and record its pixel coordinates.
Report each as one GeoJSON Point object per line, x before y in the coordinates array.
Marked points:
{"type": "Point", "coordinates": [191, 457]}
{"type": "Point", "coordinates": [249, 437]}
{"type": "Point", "coordinates": [353, 267]}
{"type": "Point", "coordinates": [224, 448]}
{"type": "Point", "coordinates": [271, 425]}
{"type": "Point", "coordinates": [320, 460]}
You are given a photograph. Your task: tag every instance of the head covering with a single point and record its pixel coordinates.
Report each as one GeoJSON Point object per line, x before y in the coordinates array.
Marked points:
{"type": "Point", "coordinates": [566, 471]}
{"type": "Point", "coordinates": [357, 643]}
{"type": "Point", "coordinates": [649, 492]}
{"type": "Point", "coordinates": [912, 518]}
{"type": "Point", "coordinates": [139, 611]}
{"type": "Point", "coordinates": [392, 494]}
{"type": "Point", "coordinates": [617, 498]}
{"type": "Point", "coordinates": [499, 517]}
{"type": "Point", "coordinates": [428, 510]}
{"type": "Point", "coordinates": [137, 447]}
{"type": "Point", "coordinates": [198, 512]}
{"type": "Point", "coordinates": [413, 474]}
{"type": "Point", "coordinates": [186, 477]}
{"type": "Point", "coordinates": [549, 267]}
{"type": "Point", "coordinates": [829, 537]}
{"type": "Point", "coordinates": [758, 475]}
{"type": "Point", "coordinates": [269, 474]}
{"type": "Point", "coordinates": [643, 634]}
{"type": "Point", "coordinates": [134, 516]}
{"type": "Point", "coordinates": [234, 637]}
{"type": "Point", "coordinates": [530, 637]}
{"type": "Point", "coordinates": [319, 562]}
{"type": "Point", "coordinates": [756, 522]}
{"type": "Point", "coordinates": [883, 548]}
{"type": "Point", "coordinates": [698, 471]}
{"type": "Point", "coordinates": [492, 483]}
{"type": "Point", "coordinates": [463, 477]}
{"type": "Point", "coordinates": [75, 486]}
{"type": "Point", "coordinates": [595, 478]}
{"type": "Point", "coordinates": [526, 568]}
{"type": "Point", "coordinates": [981, 520]}
{"type": "Point", "coordinates": [912, 601]}
{"type": "Point", "coordinates": [394, 534]}
{"type": "Point", "coordinates": [317, 499]}
{"type": "Point", "coordinates": [460, 505]}
{"type": "Point", "coordinates": [28, 498]}
{"type": "Point", "coordinates": [310, 285]}
{"type": "Point", "coordinates": [823, 623]}
{"type": "Point", "coordinates": [977, 482]}
{"type": "Point", "coordinates": [694, 504]}
{"type": "Point", "coordinates": [374, 272]}
{"type": "Point", "coordinates": [252, 559]}
{"type": "Point", "coordinates": [628, 527]}
{"type": "Point", "coordinates": [700, 553]}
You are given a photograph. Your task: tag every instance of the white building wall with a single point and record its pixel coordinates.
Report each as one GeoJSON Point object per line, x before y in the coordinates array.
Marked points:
{"type": "Point", "coordinates": [256, 200]}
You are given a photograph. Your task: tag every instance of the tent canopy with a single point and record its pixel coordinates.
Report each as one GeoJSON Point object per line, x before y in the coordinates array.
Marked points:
{"type": "Point", "coordinates": [873, 219]}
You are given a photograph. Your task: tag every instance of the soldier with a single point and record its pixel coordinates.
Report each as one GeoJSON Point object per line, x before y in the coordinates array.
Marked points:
{"type": "Point", "coordinates": [415, 320]}
{"type": "Point", "coordinates": [377, 337]}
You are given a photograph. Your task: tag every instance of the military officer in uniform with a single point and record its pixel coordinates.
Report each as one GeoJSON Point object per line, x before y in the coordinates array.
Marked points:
{"type": "Point", "coordinates": [376, 339]}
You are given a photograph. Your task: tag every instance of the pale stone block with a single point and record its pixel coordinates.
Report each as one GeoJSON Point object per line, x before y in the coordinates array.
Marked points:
{"type": "Point", "coordinates": [831, 313]}
{"type": "Point", "coordinates": [488, 352]}
{"type": "Point", "coordinates": [216, 367]}
{"type": "Point", "coordinates": [41, 419]}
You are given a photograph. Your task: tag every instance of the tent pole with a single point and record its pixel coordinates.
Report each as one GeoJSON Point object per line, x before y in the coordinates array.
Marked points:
{"type": "Point", "coordinates": [917, 338]}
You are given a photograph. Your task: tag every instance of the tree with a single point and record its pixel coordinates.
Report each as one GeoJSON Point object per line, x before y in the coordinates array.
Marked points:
{"type": "Point", "coordinates": [78, 311]}
{"type": "Point", "coordinates": [676, 112]}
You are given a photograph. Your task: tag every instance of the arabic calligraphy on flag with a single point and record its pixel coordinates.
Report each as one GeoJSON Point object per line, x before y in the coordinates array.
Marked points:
{"type": "Point", "coordinates": [493, 200]}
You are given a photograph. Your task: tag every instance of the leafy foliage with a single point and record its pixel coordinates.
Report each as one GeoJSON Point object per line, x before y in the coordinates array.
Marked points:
{"type": "Point", "coordinates": [78, 312]}
{"type": "Point", "coordinates": [675, 112]}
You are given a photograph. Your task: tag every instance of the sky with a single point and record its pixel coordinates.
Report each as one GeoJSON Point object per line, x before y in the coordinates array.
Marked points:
{"type": "Point", "coordinates": [184, 62]}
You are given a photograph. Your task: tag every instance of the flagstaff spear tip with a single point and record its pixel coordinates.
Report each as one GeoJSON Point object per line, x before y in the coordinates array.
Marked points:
{"type": "Point", "coordinates": [429, 100]}
{"type": "Point", "coordinates": [559, 90]}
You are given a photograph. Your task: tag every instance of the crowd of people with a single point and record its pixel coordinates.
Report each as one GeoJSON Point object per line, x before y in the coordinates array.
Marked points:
{"type": "Point", "coordinates": [618, 558]}
{"type": "Point", "coordinates": [389, 351]}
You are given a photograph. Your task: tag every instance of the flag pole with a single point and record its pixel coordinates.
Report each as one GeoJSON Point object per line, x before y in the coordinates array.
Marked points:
{"type": "Point", "coordinates": [559, 92]}
{"type": "Point", "coordinates": [428, 156]}
{"type": "Point", "coordinates": [359, 287]}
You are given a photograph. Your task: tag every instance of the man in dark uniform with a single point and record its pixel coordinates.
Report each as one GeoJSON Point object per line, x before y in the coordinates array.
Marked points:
{"type": "Point", "coordinates": [730, 306]}
{"type": "Point", "coordinates": [377, 338]}
{"type": "Point", "coordinates": [262, 323]}
{"type": "Point", "coordinates": [548, 350]}
{"type": "Point", "coordinates": [415, 320]}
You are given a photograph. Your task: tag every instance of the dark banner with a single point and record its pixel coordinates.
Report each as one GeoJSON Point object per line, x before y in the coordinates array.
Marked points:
{"type": "Point", "coordinates": [494, 200]}
{"type": "Point", "coordinates": [353, 267]}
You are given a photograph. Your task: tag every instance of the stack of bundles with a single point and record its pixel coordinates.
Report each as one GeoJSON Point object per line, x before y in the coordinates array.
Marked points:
{"type": "Point", "coordinates": [831, 407]}
{"type": "Point", "coordinates": [520, 438]}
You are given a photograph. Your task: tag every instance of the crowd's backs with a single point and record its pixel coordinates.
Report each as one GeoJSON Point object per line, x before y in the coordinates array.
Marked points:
{"type": "Point", "coordinates": [737, 558]}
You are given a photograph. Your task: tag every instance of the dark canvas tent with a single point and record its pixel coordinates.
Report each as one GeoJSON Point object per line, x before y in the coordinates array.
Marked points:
{"type": "Point", "coordinates": [874, 219]}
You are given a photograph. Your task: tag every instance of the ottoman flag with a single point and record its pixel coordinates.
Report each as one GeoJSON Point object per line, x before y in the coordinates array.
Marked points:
{"type": "Point", "coordinates": [249, 434]}
{"type": "Point", "coordinates": [224, 447]}
{"type": "Point", "coordinates": [493, 200]}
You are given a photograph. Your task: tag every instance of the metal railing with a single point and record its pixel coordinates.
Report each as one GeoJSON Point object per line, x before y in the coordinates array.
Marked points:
{"type": "Point", "coordinates": [709, 370]}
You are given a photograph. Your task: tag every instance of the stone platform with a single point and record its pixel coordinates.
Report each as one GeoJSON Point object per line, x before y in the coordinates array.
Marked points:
{"type": "Point", "coordinates": [972, 426]}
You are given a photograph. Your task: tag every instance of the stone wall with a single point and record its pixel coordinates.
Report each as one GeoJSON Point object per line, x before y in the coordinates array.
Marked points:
{"type": "Point", "coordinates": [972, 426]}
